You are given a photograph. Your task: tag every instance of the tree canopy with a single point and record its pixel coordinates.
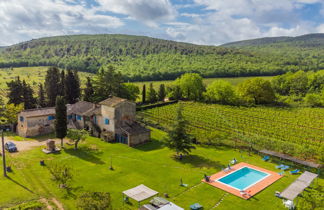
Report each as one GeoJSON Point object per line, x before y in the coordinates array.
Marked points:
{"type": "Point", "coordinates": [256, 91]}
{"type": "Point", "coordinates": [178, 139]}
{"type": "Point", "coordinates": [191, 85]}
{"type": "Point", "coordinates": [221, 92]}
{"type": "Point", "coordinates": [142, 58]}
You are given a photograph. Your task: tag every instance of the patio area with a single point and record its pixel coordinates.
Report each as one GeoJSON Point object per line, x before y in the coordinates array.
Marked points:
{"type": "Point", "coordinates": [251, 190]}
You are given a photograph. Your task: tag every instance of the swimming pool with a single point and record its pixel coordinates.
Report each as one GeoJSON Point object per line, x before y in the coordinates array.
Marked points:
{"type": "Point", "coordinates": [243, 178]}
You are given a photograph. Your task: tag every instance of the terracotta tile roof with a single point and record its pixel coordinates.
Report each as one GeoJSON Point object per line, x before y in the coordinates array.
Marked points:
{"type": "Point", "coordinates": [80, 107]}
{"type": "Point", "coordinates": [134, 128]}
{"type": "Point", "coordinates": [38, 112]}
{"type": "Point", "coordinates": [113, 101]}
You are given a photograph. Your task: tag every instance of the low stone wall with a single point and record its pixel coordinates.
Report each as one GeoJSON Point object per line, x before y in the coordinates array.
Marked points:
{"type": "Point", "coordinates": [139, 138]}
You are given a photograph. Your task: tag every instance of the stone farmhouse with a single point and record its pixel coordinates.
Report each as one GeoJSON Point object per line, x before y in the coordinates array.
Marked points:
{"type": "Point", "coordinates": [113, 120]}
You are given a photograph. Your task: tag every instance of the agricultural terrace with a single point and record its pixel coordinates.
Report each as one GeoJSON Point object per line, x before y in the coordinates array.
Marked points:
{"type": "Point", "coordinates": [295, 131]}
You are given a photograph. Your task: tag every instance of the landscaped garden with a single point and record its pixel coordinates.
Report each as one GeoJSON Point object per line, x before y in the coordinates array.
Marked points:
{"type": "Point", "coordinates": [151, 164]}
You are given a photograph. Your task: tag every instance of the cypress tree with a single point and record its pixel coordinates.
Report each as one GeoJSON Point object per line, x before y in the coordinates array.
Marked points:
{"type": "Point", "coordinates": [27, 94]}
{"type": "Point", "coordinates": [77, 88]}
{"type": "Point", "coordinates": [72, 87]}
{"type": "Point", "coordinates": [60, 118]}
{"type": "Point", "coordinates": [62, 84]}
{"type": "Point", "coordinates": [161, 94]}
{"type": "Point", "coordinates": [52, 85]}
{"type": "Point", "coordinates": [41, 102]}
{"type": "Point", "coordinates": [144, 94]}
{"type": "Point", "coordinates": [88, 91]}
{"type": "Point", "coordinates": [152, 97]}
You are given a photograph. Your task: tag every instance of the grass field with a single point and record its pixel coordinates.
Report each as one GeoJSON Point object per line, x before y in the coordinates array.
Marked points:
{"type": "Point", "coordinates": [32, 75]}
{"type": "Point", "coordinates": [151, 164]}
{"type": "Point", "coordinates": [296, 131]}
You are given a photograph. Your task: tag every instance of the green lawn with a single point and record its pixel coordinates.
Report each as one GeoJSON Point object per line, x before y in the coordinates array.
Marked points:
{"type": "Point", "coordinates": [150, 164]}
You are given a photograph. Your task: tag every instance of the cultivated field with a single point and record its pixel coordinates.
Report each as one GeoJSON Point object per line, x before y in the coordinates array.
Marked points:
{"type": "Point", "coordinates": [296, 131]}
{"type": "Point", "coordinates": [151, 164]}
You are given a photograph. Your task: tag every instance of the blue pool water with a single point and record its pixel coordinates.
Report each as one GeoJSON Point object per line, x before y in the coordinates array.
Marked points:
{"type": "Point", "coordinates": [243, 178]}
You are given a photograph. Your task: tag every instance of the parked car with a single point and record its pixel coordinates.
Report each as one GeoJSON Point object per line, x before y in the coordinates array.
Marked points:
{"type": "Point", "coordinates": [11, 147]}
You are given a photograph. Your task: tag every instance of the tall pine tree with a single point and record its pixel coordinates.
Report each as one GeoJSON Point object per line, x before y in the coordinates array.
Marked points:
{"type": "Point", "coordinates": [62, 84]}
{"type": "Point", "coordinates": [161, 93]}
{"type": "Point", "coordinates": [60, 118]}
{"type": "Point", "coordinates": [27, 95]}
{"type": "Point", "coordinates": [178, 139]}
{"type": "Point", "coordinates": [41, 101]}
{"type": "Point", "coordinates": [108, 82]}
{"type": "Point", "coordinates": [88, 91]}
{"type": "Point", "coordinates": [52, 85]}
{"type": "Point", "coordinates": [15, 92]}
{"type": "Point", "coordinates": [72, 87]}
{"type": "Point", "coordinates": [144, 94]}
{"type": "Point", "coordinates": [151, 95]}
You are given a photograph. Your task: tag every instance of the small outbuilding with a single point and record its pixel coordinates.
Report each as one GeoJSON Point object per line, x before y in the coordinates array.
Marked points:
{"type": "Point", "coordinates": [140, 193]}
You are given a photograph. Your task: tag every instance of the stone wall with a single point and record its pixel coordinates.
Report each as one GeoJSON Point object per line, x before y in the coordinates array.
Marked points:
{"type": "Point", "coordinates": [141, 138]}
{"type": "Point", "coordinates": [34, 126]}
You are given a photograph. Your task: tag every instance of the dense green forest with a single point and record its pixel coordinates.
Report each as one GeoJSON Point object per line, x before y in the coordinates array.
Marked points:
{"type": "Point", "coordinates": [142, 58]}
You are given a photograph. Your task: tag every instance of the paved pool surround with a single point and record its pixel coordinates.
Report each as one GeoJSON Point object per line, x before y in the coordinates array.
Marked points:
{"type": "Point", "coordinates": [259, 179]}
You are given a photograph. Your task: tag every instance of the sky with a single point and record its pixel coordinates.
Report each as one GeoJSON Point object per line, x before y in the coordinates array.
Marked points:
{"type": "Point", "coordinates": [208, 22]}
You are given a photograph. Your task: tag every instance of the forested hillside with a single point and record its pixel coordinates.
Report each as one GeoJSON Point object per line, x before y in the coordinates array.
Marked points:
{"type": "Point", "coordinates": [308, 40]}
{"type": "Point", "coordinates": [143, 58]}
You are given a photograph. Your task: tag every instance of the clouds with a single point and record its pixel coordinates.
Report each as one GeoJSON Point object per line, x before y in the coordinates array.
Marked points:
{"type": "Point", "coordinates": [21, 20]}
{"type": "Point", "coordinates": [209, 22]}
{"type": "Point", "coordinates": [234, 20]}
{"type": "Point", "coordinates": [148, 11]}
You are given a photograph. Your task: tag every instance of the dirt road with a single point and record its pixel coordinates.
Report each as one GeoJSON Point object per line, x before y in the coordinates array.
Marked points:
{"type": "Point", "coordinates": [30, 144]}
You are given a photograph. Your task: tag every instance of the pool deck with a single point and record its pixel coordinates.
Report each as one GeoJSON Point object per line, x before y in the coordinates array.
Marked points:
{"type": "Point", "coordinates": [252, 190]}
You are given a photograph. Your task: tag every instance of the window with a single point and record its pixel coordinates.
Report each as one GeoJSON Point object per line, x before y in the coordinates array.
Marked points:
{"type": "Point", "coordinates": [79, 117]}
{"type": "Point", "coordinates": [70, 117]}
{"type": "Point", "coordinates": [95, 119]}
{"type": "Point", "coordinates": [106, 121]}
{"type": "Point", "coordinates": [51, 118]}
{"type": "Point", "coordinates": [21, 119]}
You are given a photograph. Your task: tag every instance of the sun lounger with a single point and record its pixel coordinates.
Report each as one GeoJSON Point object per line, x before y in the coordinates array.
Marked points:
{"type": "Point", "coordinates": [280, 166]}
{"type": "Point", "coordinates": [295, 171]}
{"type": "Point", "coordinates": [281, 173]}
{"type": "Point", "coordinates": [266, 158]}
{"type": "Point", "coordinates": [285, 168]}
{"type": "Point", "coordinates": [196, 206]}
{"type": "Point", "coordinates": [234, 161]}
{"type": "Point", "coordinates": [207, 178]}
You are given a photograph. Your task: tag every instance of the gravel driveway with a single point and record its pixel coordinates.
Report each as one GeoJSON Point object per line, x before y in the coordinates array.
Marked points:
{"type": "Point", "coordinates": [30, 144]}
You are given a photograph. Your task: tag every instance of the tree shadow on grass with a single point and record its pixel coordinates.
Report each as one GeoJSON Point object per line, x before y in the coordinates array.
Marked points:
{"type": "Point", "coordinates": [71, 192]}
{"type": "Point", "coordinates": [149, 146]}
{"type": "Point", "coordinates": [200, 162]}
{"type": "Point", "coordinates": [17, 183]}
{"type": "Point", "coordinates": [86, 154]}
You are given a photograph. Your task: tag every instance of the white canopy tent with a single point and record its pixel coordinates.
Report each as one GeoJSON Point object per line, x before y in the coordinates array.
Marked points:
{"type": "Point", "coordinates": [140, 193]}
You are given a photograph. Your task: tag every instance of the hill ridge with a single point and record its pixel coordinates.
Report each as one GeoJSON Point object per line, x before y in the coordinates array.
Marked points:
{"type": "Point", "coordinates": [142, 58]}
